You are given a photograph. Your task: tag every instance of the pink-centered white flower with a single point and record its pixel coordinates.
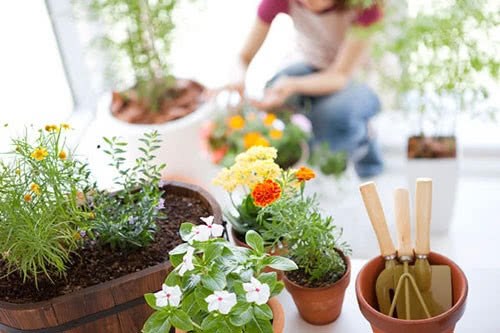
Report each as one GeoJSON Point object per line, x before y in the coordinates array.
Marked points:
{"type": "Point", "coordinates": [168, 296]}
{"type": "Point", "coordinates": [214, 229]}
{"type": "Point", "coordinates": [221, 301]}
{"type": "Point", "coordinates": [187, 262]}
{"type": "Point", "coordinates": [257, 292]}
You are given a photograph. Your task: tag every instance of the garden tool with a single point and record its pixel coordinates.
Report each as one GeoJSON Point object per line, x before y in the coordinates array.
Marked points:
{"type": "Point", "coordinates": [385, 281]}
{"type": "Point", "coordinates": [407, 296]}
{"type": "Point", "coordinates": [433, 281]}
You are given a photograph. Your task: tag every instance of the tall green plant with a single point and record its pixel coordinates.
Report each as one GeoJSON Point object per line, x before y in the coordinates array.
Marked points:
{"type": "Point", "coordinates": [445, 54]}
{"type": "Point", "coordinates": [140, 32]}
{"type": "Point", "coordinates": [42, 204]}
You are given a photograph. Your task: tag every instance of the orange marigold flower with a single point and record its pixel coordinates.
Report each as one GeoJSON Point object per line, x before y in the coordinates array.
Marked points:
{"type": "Point", "coordinates": [35, 188]}
{"type": "Point", "coordinates": [305, 174]}
{"type": "Point", "coordinates": [62, 155]}
{"type": "Point", "coordinates": [266, 193]}
{"type": "Point", "coordinates": [50, 128]}
{"type": "Point", "coordinates": [27, 197]}
{"type": "Point", "coordinates": [236, 122]}
{"type": "Point", "coordinates": [275, 134]}
{"type": "Point", "coordinates": [252, 139]}
{"type": "Point", "coordinates": [269, 119]}
{"type": "Point", "coordinates": [39, 154]}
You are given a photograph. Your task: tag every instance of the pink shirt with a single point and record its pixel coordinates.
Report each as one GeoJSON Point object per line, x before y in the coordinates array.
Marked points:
{"type": "Point", "coordinates": [319, 36]}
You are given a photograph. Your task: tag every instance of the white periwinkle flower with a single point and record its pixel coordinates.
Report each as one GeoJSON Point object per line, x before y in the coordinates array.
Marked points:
{"type": "Point", "coordinates": [216, 230]}
{"type": "Point", "coordinates": [168, 296]}
{"type": "Point", "coordinates": [187, 262]}
{"type": "Point", "coordinates": [221, 301]}
{"type": "Point", "coordinates": [257, 292]}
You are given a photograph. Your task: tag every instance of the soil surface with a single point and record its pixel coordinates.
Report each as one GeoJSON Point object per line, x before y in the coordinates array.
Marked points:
{"type": "Point", "coordinates": [432, 147]}
{"type": "Point", "coordinates": [95, 264]}
{"type": "Point", "coordinates": [177, 102]}
{"type": "Point", "coordinates": [301, 278]}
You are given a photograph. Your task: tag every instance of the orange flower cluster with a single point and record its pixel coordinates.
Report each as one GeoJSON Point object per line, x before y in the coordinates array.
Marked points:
{"type": "Point", "coordinates": [236, 122]}
{"type": "Point", "coordinates": [266, 193]}
{"type": "Point", "coordinates": [305, 174]}
{"type": "Point", "coordinates": [252, 139]}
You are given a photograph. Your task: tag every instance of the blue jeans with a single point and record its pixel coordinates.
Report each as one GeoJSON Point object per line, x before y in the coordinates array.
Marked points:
{"type": "Point", "coordinates": [341, 120]}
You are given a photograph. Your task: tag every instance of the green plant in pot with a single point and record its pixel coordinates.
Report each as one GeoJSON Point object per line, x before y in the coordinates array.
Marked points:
{"type": "Point", "coordinates": [218, 287]}
{"type": "Point", "coordinates": [137, 36]}
{"type": "Point", "coordinates": [448, 65]}
{"type": "Point", "coordinates": [313, 242]}
{"type": "Point", "coordinates": [61, 234]}
{"type": "Point", "coordinates": [42, 206]}
{"type": "Point", "coordinates": [261, 182]}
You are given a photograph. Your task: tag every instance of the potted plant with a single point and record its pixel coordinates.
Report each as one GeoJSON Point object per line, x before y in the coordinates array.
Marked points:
{"type": "Point", "coordinates": [256, 181]}
{"type": "Point", "coordinates": [136, 38]}
{"type": "Point", "coordinates": [381, 323]}
{"type": "Point", "coordinates": [233, 133]}
{"type": "Point", "coordinates": [313, 243]}
{"type": "Point", "coordinates": [444, 70]}
{"type": "Point", "coordinates": [74, 257]}
{"type": "Point", "coordinates": [218, 287]}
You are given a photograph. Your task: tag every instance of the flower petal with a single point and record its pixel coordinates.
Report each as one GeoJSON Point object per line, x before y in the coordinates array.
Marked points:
{"type": "Point", "coordinates": [217, 230]}
{"type": "Point", "coordinates": [208, 220]}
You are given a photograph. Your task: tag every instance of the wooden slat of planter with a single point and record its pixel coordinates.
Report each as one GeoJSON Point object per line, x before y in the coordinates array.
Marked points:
{"type": "Point", "coordinates": [82, 303]}
{"type": "Point", "coordinates": [104, 325]}
{"type": "Point", "coordinates": [132, 320]}
{"type": "Point", "coordinates": [40, 316]}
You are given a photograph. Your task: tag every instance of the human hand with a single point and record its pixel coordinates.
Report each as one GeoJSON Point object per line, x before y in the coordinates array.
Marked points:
{"type": "Point", "coordinates": [276, 95]}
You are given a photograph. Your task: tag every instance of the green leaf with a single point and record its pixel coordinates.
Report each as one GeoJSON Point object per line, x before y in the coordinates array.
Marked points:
{"type": "Point", "coordinates": [212, 251]}
{"type": "Point", "coordinates": [281, 263]}
{"type": "Point", "coordinates": [212, 321]}
{"type": "Point", "coordinates": [259, 326]}
{"type": "Point", "coordinates": [185, 231]}
{"type": "Point", "coordinates": [215, 280]}
{"type": "Point", "coordinates": [241, 314]}
{"type": "Point", "coordinates": [253, 239]}
{"type": "Point", "coordinates": [158, 322]}
{"type": "Point", "coordinates": [263, 312]}
{"type": "Point", "coordinates": [180, 249]}
{"type": "Point", "coordinates": [151, 300]}
{"type": "Point", "coordinates": [181, 320]}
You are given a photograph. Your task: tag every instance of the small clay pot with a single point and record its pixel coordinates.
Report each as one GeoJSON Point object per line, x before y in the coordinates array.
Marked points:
{"type": "Point", "coordinates": [238, 242]}
{"type": "Point", "coordinates": [278, 316]}
{"type": "Point", "coordinates": [320, 306]}
{"type": "Point", "coordinates": [444, 323]}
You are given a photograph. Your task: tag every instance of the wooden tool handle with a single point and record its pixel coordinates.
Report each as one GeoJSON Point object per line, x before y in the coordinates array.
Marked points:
{"type": "Point", "coordinates": [402, 210]}
{"type": "Point", "coordinates": [377, 218]}
{"type": "Point", "coordinates": [423, 212]}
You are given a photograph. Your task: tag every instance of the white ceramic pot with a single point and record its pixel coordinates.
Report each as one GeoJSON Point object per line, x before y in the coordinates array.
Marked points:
{"type": "Point", "coordinates": [444, 173]}
{"type": "Point", "coordinates": [181, 147]}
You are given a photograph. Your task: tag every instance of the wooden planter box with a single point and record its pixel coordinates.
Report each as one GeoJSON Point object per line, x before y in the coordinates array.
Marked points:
{"type": "Point", "coordinates": [116, 306]}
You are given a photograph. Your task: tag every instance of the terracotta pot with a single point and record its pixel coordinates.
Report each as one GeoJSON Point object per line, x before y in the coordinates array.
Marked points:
{"type": "Point", "coordinates": [115, 306]}
{"type": "Point", "coordinates": [238, 242]}
{"type": "Point", "coordinates": [278, 316]}
{"type": "Point", "coordinates": [320, 306]}
{"type": "Point", "coordinates": [444, 323]}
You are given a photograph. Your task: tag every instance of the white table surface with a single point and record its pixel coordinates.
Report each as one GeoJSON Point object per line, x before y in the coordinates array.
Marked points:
{"type": "Point", "coordinates": [482, 314]}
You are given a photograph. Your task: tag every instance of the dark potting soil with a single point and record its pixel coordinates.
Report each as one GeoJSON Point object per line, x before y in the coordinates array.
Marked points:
{"type": "Point", "coordinates": [95, 264]}
{"type": "Point", "coordinates": [301, 278]}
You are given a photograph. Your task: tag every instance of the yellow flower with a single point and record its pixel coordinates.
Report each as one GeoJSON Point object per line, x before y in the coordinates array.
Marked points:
{"type": "Point", "coordinates": [18, 171]}
{"type": "Point", "coordinates": [269, 119]}
{"type": "Point", "coordinates": [50, 128]}
{"type": "Point", "coordinates": [236, 122]}
{"type": "Point", "coordinates": [252, 139]}
{"type": "Point", "coordinates": [91, 215]}
{"type": "Point", "coordinates": [35, 188]}
{"type": "Point", "coordinates": [276, 134]}
{"type": "Point", "coordinates": [27, 197]}
{"type": "Point", "coordinates": [39, 154]}
{"type": "Point", "coordinates": [65, 126]}
{"type": "Point", "coordinates": [62, 155]}
{"type": "Point", "coordinates": [257, 153]}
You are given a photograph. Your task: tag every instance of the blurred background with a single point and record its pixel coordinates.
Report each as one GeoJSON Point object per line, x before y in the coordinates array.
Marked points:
{"type": "Point", "coordinates": [51, 72]}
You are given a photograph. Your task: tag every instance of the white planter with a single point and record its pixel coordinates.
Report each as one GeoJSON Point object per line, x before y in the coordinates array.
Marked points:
{"type": "Point", "coordinates": [444, 173]}
{"type": "Point", "coordinates": [181, 147]}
